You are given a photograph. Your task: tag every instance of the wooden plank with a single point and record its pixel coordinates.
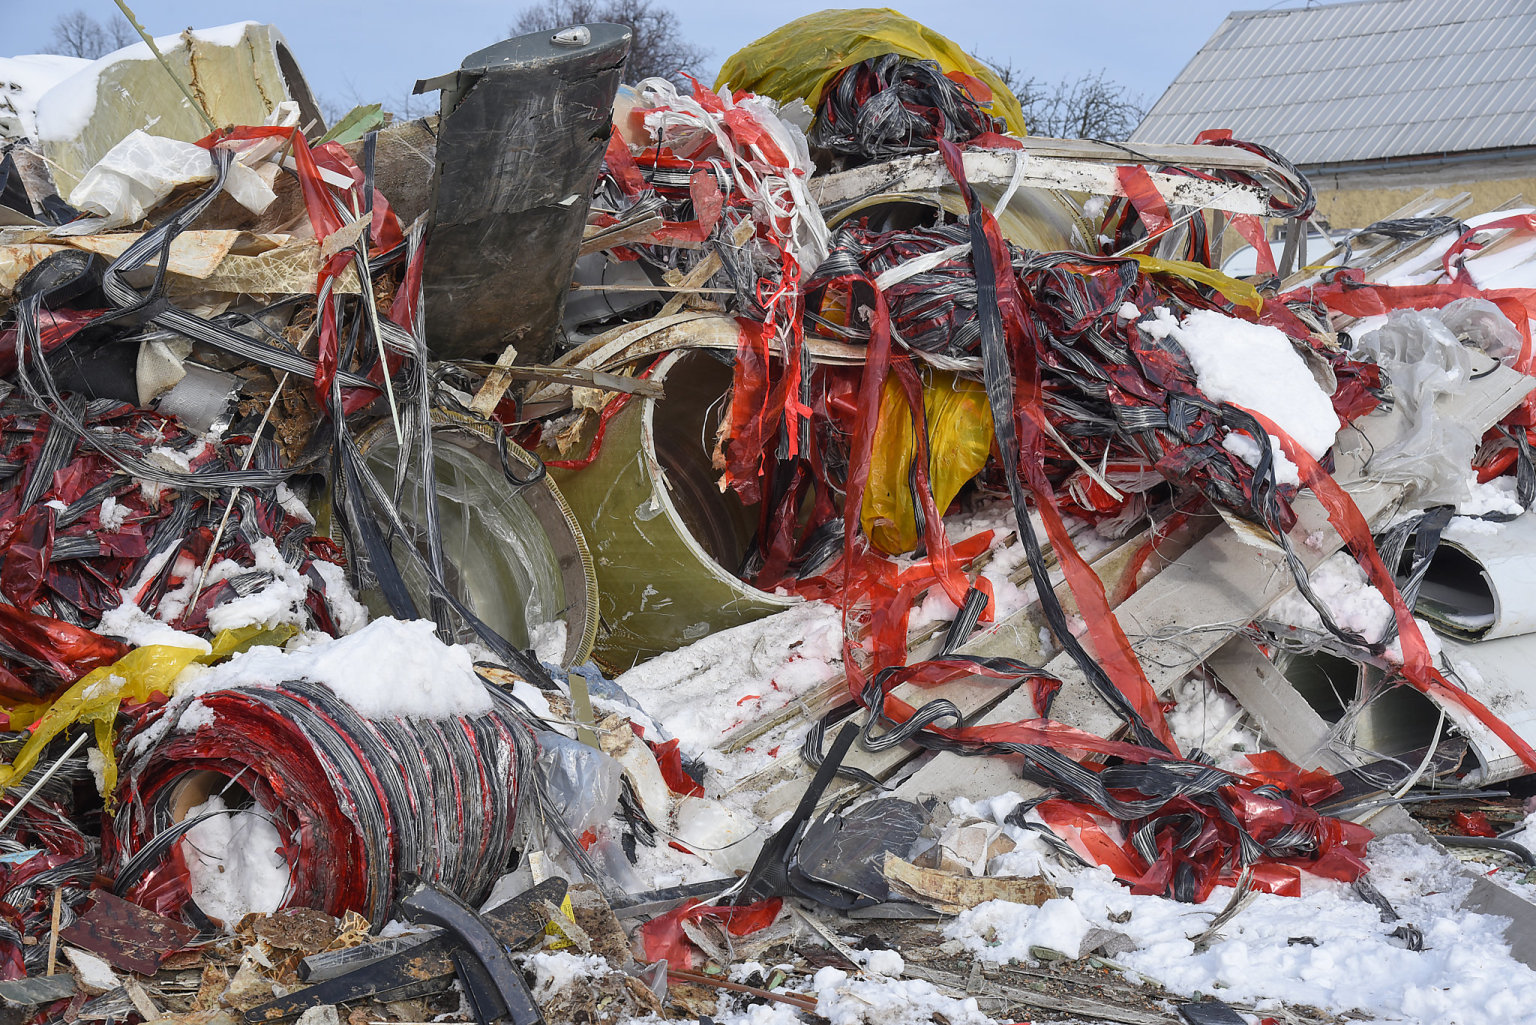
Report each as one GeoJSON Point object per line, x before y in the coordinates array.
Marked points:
{"type": "Point", "coordinates": [596, 240]}
{"type": "Point", "coordinates": [1039, 169]}
{"type": "Point", "coordinates": [1188, 611]}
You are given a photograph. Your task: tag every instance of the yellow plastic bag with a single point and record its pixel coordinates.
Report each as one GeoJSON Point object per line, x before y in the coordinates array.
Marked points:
{"type": "Point", "coordinates": [96, 697]}
{"type": "Point", "coordinates": [798, 60]}
{"type": "Point", "coordinates": [1239, 292]}
{"type": "Point", "coordinates": [959, 442]}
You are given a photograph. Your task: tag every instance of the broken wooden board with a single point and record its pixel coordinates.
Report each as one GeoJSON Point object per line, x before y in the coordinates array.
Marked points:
{"type": "Point", "coordinates": [1222, 583]}
{"type": "Point", "coordinates": [1059, 164]}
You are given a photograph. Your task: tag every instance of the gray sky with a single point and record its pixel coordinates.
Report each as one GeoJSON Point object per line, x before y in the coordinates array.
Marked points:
{"type": "Point", "coordinates": [369, 50]}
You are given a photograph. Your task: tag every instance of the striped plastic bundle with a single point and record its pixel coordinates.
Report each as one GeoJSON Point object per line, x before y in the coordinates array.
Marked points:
{"type": "Point", "coordinates": [892, 105]}
{"type": "Point", "coordinates": [359, 802]}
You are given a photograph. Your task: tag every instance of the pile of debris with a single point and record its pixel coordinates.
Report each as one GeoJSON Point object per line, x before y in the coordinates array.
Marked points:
{"type": "Point", "coordinates": [806, 548]}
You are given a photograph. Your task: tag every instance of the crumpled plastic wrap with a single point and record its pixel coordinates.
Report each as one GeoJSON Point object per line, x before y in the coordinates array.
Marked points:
{"type": "Point", "coordinates": [1484, 325]}
{"type": "Point", "coordinates": [583, 781]}
{"type": "Point", "coordinates": [138, 677]}
{"type": "Point", "coordinates": [132, 179]}
{"type": "Point", "coordinates": [1423, 360]}
{"type": "Point", "coordinates": [959, 429]}
{"type": "Point", "coordinates": [138, 173]}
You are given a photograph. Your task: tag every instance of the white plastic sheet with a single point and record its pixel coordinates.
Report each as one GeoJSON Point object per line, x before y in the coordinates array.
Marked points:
{"type": "Point", "coordinates": [139, 173]}
{"type": "Point", "coordinates": [132, 179]}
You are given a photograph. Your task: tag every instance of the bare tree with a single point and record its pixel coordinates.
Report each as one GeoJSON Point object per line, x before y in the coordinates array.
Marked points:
{"type": "Point", "coordinates": [77, 34]}
{"type": "Point", "coordinates": [658, 48]}
{"type": "Point", "coordinates": [1090, 106]}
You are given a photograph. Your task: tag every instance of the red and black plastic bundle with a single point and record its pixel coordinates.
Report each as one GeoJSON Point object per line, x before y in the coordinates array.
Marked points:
{"type": "Point", "coordinates": [360, 802]}
{"type": "Point", "coordinates": [889, 106]}
{"type": "Point", "coordinates": [933, 311]}
{"type": "Point", "coordinates": [62, 565]}
{"type": "Point", "coordinates": [1142, 216]}
{"type": "Point", "coordinates": [43, 850]}
{"type": "Point", "coordinates": [1071, 382]}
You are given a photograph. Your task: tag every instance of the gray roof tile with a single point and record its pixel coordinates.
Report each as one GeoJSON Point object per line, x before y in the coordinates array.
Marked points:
{"type": "Point", "coordinates": [1363, 80]}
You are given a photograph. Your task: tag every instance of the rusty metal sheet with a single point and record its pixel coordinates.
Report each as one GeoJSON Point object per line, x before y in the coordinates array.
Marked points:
{"type": "Point", "coordinates": [128, 936]}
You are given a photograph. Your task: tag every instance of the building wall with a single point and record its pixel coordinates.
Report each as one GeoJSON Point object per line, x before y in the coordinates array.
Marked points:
{"type": "Point", "coordinates": [1356, 198]}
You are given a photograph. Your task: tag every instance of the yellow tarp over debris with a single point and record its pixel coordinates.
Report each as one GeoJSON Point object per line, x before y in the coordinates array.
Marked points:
{"type": "Point", "coordinates": [797, 61]}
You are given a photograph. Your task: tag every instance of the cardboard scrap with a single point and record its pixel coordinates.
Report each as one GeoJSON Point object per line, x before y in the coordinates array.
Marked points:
{"type": "Point", "coordinates": [953, 893]}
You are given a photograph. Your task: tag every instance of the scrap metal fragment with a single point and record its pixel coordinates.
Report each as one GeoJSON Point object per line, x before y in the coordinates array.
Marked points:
{"type": "Point", "coordinates": [383, 967]}
{"type": "Point", "coordinates": [128, 936]}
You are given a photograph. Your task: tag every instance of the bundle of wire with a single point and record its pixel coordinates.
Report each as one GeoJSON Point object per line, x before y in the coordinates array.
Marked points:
{"type": "Point", "coordinates": [929, 286]}
{"type": "Point", "coordinates": [1072, 382]}
{"type": "Point", "coordinates": [892, 105]}
{"type": "Point", "coordinates": [41, 851]}
{"type": "Point", "coordinates": [359, 802]}
{"type": "Point", "coordinates": [99, 517]}
{"type": "Point", "coordinates": [1141, 215]}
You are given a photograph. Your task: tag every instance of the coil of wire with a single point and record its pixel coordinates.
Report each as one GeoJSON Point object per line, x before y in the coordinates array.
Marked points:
{"type": "Point", "coordinates": [358, 802]}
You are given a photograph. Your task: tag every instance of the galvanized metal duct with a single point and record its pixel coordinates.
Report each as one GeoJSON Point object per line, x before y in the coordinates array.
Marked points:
{"type": "Point", "coordinates": [513, 552]}
{"type": "Point", "coordinates": [1039, 219]}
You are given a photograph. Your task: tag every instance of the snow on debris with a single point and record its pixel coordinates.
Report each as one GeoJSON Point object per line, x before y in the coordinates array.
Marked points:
{"type": "Point", "coordinates": [1256, 367]}
{"type": "Point", "coordinates": [390, 667]}
{"type": "Point", "coordinates": [1327, 948]}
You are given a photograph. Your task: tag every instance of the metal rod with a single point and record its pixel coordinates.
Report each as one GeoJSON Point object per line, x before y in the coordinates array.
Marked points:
{"type": "Point", "coordinates": [16, 809]}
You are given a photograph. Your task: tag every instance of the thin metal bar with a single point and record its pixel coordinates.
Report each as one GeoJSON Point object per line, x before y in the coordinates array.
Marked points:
{"type": "Point", "coordinates": [26, 797]}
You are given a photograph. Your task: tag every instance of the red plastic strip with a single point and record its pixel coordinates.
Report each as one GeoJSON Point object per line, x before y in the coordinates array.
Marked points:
{"type": "Point", "coordinates": [1148, 202]}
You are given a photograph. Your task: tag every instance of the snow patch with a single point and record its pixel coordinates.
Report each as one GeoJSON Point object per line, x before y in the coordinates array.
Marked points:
{"type": "Point", "coordinates": [234, 861]}
{"type": "Point", "coordinates": [1498, 496]}
{"type": "Point", "coordinates": [880, 1001]}
{"type": "Point", "coordinates": [557, 971]}
{"type": "Point", "coordinates": [1350, 599]}
{"type": "Point", "coordinates": [112, 515]}
{"type": "Point", "coordinates": [134, 626]}
{"type": "Point", "coordinates": [1256, 367]}
{"type": "Point", "coordinates": [548, 641]}
{"type": "Point", "coordinates": [390, 667]}
{"type": "Point", "coordinates": [349, 614]}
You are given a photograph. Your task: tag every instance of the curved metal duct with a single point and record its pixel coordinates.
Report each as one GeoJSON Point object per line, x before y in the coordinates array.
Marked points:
{"type": "Point", "coordinates": [663, 536]}
{"type": "Point", "coordinates": [514, 553]}
{"type": "Point", "coordinates": [1039, 219]}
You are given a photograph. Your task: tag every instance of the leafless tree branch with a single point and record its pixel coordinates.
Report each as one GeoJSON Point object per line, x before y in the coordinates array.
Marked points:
{"type": "Point", "coordinates": [1090, 106]}
{"type": "Point", "coordinates": [77, 34]}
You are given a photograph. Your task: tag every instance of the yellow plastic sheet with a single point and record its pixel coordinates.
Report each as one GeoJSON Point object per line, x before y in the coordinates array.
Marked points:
{"type": "Point", "coordinates": [798, 60]}
{"type": "Point", "coordinates": [1239, 292]}
{"type": "Point", "coordinates": [96, 697]}
{"type": "Point", "coordinates": [959, 441]}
